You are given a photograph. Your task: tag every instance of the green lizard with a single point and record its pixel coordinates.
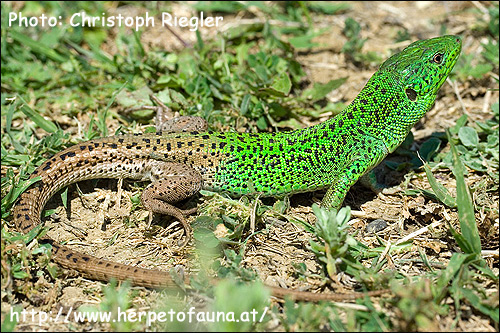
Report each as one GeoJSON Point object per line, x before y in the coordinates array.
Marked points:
{"type": "Point", "coordinates": [332, 155]}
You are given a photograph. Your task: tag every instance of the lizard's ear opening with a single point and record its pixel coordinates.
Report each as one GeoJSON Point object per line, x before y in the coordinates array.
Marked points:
{"type": "Point", "coordinates": [412, 94]}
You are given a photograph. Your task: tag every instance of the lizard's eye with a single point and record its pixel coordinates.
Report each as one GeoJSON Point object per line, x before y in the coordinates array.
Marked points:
{"type": "Point", "coordinates": [412, 94]}
{"type": "Point", "coordinates": [438, 58]}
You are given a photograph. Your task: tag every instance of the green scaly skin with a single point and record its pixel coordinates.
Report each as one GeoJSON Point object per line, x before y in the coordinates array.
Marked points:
{"type": "Point", "coordinates": [332, 155]}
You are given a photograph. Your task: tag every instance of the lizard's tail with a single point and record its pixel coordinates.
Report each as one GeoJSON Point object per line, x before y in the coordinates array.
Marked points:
{"type": "Point", "coordinates": [64, 169]}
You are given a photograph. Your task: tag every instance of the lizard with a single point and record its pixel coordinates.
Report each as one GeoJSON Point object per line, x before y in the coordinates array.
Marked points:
{"type": "Point", "coordinates": [331, 155]}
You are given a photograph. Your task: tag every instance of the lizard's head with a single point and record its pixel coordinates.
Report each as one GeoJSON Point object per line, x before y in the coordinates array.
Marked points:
{"type": "Point", "coordinates": [405, 87]}
{"type": "Point", "coordinates": [424, 65]}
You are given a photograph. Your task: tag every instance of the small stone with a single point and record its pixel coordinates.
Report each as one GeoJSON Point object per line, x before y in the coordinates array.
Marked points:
{"type": "Point", "coordinates": [376, 226]}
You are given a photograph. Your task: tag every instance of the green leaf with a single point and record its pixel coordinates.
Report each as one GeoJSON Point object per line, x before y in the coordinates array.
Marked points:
{"type": "Point", "coordinates": [475, 301]}
{"type": "Point", "coordinates": [480, 70]}
{"type": "Point", "coordinates": [178, 98]}
{"type": "Point", "coordinates": [17, 273]}
{"type": "Point", "coordinates": [10, 320]}
{"type": "Point", "coordinates": [9, 199]}
{"type": "Point", "coordinates": [34, 233]}
{"type": "Point", "coordinates": [206, 237]}
{"type": "Point", "coordinates": [64, 197]}
{"type": "Point", "coordinates": [252, 296]}
{"type": "Point", "coordinates": [282, 84]}
{"type": "Point", "coordinates": [320, 90]}
{"type": "Point", "coordinates": [440, 191]}
{"type": "Point", "coordinates": [43, 123]}
{"type": "Point", "coordinates": [447, 275]}
{"type": "Point", "coordinates": [462, 242]}
{"type": "Point", "coordinates": [459, 124]}
{"type": "Point", "coordinates": [245, 103]}
{"type": "Point", "coordinates": [429, 148]}
{"type": "Point", "coordinates": [261, 123]}
{"type": "Point", "coordinates": [465, 203]}
{"type": "Point", "coordinates": [262, 72]}
{"type": "Point", "coordinates": [327, 7]}
{"type": "Point", "coordinates": [139, 97]}
{"type": "Point", "coordinates": [303, 42]}
{"type": "Point", "coordinates": [36, 46]}
{"type": "Point", "coordinates": [468, 136]}
{"type": "Point", "coordinates": [219, 6]}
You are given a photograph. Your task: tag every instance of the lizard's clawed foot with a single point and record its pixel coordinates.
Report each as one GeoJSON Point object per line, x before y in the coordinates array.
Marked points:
{"type": "Point", "coordinates": [187, 227]}
{"type": "Point", "coordinates": [179, 214]}
{"type": "Point", "coordinates": [171, 183]}
{"type": "Point", "coordinates": [188, 231]}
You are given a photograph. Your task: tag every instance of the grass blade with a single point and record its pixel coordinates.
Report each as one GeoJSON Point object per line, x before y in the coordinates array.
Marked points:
{"type": "Point", "coordinates": [43, 123]}
{"type": "Point", "coordinates": [36, 46]}
{"type": "Point", "coordinates": [11, 197]}
{"type": "Point", "coordinates": [465, 203]}
{"type": "Point", "coordinates": [439, 190]}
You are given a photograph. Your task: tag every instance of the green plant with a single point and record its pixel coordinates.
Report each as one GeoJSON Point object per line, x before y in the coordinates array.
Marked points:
{"type": "Point", "coordinates": [458, 279]}
{"type": "Point", "coordinates": [352, 48]}
{"type": "Point", "coordinates": [332, 230]}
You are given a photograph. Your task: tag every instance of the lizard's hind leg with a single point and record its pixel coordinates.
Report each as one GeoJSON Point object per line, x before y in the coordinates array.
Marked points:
{"type": "Point", "coordinates": [171, 183]}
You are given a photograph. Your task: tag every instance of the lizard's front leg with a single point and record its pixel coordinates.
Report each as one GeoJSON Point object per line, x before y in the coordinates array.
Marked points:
{"type": "Point", "coordinates": [170, 183]}
{"type": "Point", "coordinates": [360, 163]}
